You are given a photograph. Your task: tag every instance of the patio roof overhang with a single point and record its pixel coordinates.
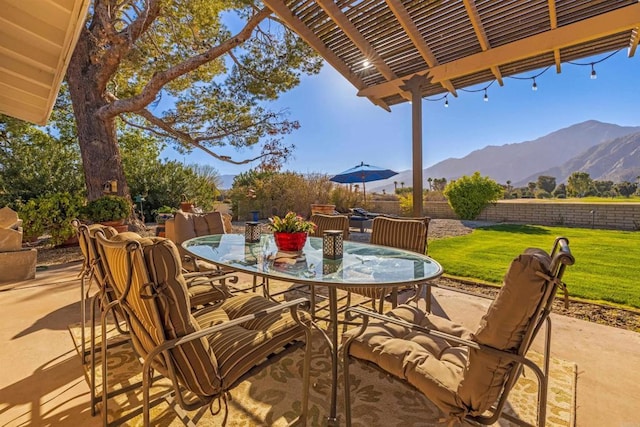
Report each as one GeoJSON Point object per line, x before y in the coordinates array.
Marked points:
{"type": "Point", "coordinates": [37, 38]}
{"type": "Point", "coordinates": [394, 51]}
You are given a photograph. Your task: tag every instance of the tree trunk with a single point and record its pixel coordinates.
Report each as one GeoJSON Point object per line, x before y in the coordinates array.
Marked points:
{"type": "Point", "coordinates": [97, 137]}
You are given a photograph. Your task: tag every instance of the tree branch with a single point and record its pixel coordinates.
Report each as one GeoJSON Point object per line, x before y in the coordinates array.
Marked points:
{"type": "Point", "coordinates": [187, 139]}
{"type": "Point", "coordinates": [159, 79]}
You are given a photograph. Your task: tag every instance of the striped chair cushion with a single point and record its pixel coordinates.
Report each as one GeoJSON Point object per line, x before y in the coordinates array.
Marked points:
{"type": "Point", "coordinates": [409, 234]}
{"type": "Point", "coordinates": [240, 348]}
{"type": "Point", "coordinates": [229, 354]}
{"type": "Point", "coordinates": [330, 222]}
{"type": "Point", "coordinates": [195, 364]}
{"type": "Point", "coordinates": [402, 233]}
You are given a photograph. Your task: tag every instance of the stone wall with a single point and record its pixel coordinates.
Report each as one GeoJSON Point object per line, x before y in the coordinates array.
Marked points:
{"type": "Point", "coordinates": [620, 216]}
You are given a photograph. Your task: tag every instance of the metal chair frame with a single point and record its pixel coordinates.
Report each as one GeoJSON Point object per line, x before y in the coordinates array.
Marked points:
{"type": "Point", "coordinates": [561, 258]}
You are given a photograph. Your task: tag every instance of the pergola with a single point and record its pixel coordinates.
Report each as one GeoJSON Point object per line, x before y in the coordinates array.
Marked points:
{"type": "Point", "coordinates": [394, 51]}
{"type": "Point", "coordinates": [37, 38]}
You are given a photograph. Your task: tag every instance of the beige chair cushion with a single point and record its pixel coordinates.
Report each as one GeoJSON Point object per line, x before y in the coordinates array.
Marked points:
{"type": "Point", "coordinates": [186, 225]}
{"type": "Point", "coordinates": [430, 364]}
{"type": "Point", "coordinates": [456, 379]}
{"type": "Point", "coordinates": [503, 327]}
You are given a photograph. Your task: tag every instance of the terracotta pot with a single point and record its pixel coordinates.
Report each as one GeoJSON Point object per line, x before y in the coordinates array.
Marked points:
{"type": "Point", "coordinates": [322, 209]}
{"type": "Point", "coordinates": [186, 206]}
{"type": "Point", "coordinates": [290, 241]}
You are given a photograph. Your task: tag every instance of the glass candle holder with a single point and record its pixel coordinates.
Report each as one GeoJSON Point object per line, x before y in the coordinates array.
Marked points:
{"type": "Point", "coordinates": [252, 232]}
{"type": "Point", "coordinates": [332, 244]}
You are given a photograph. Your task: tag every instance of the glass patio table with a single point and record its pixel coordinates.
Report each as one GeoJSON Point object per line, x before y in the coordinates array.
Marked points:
{"type": "Point", "coordinates": [362, 265]}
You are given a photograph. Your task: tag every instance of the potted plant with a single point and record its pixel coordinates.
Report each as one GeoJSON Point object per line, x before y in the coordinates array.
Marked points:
{"type": "Point", "coordinates": [290, 232]}
{"type": "Point", "coordinates": [186, 205]}
{"type": "Point", "coordinates": [108, 210]}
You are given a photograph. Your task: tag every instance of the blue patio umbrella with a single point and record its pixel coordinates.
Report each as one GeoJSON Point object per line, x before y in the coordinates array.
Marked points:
{"type": "Point", "coordinates": [363, 173]}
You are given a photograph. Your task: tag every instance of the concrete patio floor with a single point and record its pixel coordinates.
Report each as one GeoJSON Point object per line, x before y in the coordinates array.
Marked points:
{"type": "Point", "coordinates": [41, 379]}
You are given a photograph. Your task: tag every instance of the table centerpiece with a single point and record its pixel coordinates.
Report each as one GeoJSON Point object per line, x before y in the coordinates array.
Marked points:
{"type": "Point", "coordinates": [290, 232]}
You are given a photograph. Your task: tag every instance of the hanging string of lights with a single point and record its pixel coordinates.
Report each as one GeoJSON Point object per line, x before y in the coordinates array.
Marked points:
{"type": "Point", "coordinates": [534, 85]}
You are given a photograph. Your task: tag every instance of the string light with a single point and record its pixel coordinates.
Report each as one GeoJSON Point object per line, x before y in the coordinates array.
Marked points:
{"type": "Point", "coordinates": [593, 74]}
{"type": "Point", "coordinates": [534, 84]}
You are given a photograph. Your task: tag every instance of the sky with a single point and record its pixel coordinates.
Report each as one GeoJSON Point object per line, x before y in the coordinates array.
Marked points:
{"type": "Point", "coordinates": [338, 129]}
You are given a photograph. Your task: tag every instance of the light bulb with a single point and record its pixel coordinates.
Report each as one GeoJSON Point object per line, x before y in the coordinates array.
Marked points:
{"type": "Point", "coordinates": [593, 73]}
{"type": "Point", "coordinates": [486, 97]}
{"type": "Point", "coordinates": [446, 103]}
{"type": "Point", "coordinates": [534, 86]}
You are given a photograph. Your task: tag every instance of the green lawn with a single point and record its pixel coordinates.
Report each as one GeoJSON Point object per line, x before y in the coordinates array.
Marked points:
{"type": "Point", "coordinates": [607, 267]}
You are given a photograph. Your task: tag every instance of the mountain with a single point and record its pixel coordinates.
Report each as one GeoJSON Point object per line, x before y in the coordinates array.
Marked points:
{"type": "Point", "coordinates": [518, 161]}
{"type": "Point", "coordinates": [617, 160]}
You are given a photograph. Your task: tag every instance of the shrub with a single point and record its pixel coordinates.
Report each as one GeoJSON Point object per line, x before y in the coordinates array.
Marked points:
{"type": "Point", "coordinates": [277, 193]}
{"type": "Point", "coordinates": [52, 213]}
{"type": "Point", "coordinates": [406, 203]}
{"type": "Point", "coordinates": [468, 196]}
{"type": "Point", "coordinates": [107, 208]}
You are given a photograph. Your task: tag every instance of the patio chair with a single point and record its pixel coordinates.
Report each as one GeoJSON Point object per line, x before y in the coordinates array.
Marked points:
{"type": "Point", "coordinates": [403, 233]}
{"type": "Point", "coordinates": [92, 272]}
{"type": "Point", "coordinates": [204, 353]}
{"type": "Point", "coordinates": [468, 375]}
{"type": "Point", "coordinates": [203, 290]}
{"type": "Point", "coordinates": [323, 223]}
{"type": "Point", "coordinates": [187, 225]}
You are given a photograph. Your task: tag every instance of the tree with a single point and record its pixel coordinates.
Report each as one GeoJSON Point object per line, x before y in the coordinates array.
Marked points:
{"type": "Point", "coordinates": [603, 188]}
{"type": "Point", "coordinates": [546, 183]}
{"type": "Point", "coordinates": [439, 184]}
{"type": "Point", "coordinates": [469, 195]}
{"type": "Point", "coordinates": [131, 55]}
{"type": "Point", "coordinates": [578, 184]}
{"type": "Point", "coordinates": [626, 188]}
{"type": "Point", "coordinates": [36, 163]}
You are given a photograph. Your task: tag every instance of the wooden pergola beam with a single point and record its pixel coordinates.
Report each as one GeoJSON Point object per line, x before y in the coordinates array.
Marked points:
{"type": "Point", "coordinates": [367, 50]}
{"type": "Point", "coordinates": [481, 34]}
{"type": "Point", "coordinates": [403, 17]}
{"type": "Point", "coordinates": [293, 22]}
{"type": "Point", "coordinates": [619, 20]}
{"type": "Point", "coordinates": [553, 23]}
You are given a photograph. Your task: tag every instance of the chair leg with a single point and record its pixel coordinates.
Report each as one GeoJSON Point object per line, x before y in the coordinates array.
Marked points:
{"type": "Point", "coordinates": [312, 302]}
{"type": "Point", "coordinates": [306, 379]}
{"type": "Point", "coordinates": [92, 351]}
{"type": "Point", "coordinates": [347, 386]}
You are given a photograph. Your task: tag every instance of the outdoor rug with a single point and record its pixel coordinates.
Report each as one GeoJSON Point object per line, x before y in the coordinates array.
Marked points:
{"type": "Point", "coordinates": [271, 395]}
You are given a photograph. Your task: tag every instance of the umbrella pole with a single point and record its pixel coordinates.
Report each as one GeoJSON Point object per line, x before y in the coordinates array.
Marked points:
{"type": "Point", "coordinates": [364, 193]}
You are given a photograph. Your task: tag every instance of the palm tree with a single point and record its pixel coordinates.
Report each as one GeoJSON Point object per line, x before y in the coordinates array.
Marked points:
{"type": "Point", "coordinates": [402, 184]}
{"type": "Point", "coordinates": [395, 184]}
{"type": "Point", "coordinates": [430, 180]}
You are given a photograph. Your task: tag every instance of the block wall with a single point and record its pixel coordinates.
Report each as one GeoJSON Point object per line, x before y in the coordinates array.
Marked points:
{"type": "Point", "coordinates": [620, 216]}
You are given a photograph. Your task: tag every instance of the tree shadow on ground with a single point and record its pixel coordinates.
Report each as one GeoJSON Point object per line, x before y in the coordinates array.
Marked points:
{"type": "Point", "coordinates": [517, 228]}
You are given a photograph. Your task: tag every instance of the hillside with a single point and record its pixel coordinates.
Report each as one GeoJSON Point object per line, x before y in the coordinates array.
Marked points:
{"type": "Point", "coordinates": [517, 162]}
{"type": "Point", "coordinates": [617, 160]}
